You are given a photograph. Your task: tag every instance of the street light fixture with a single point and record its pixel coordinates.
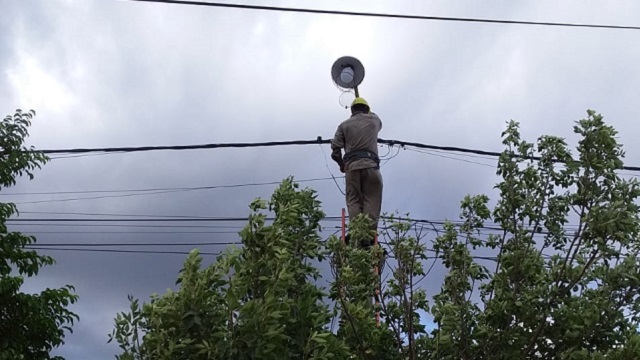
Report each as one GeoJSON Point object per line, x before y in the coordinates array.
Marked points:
{"type": "Point", "coordinates": [347, 72]}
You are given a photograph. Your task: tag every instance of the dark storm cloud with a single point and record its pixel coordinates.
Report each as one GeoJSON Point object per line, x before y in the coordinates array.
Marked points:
{"type": "Point", "coordinates": [126, 74]}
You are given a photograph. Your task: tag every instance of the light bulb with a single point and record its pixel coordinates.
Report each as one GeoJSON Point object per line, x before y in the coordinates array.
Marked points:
{"type": "Point", "coordinates": [346, 76]}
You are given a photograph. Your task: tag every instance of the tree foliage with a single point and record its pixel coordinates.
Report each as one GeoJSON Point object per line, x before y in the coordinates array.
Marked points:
{"type": "Point", "coordinates": [548, 272]}
{"type": "Point", "coordinates": [31, 325]}
{"type": "Point", "coordinates": [260, 301]}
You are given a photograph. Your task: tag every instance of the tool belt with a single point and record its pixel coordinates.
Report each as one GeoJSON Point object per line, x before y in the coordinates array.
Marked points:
{"type": "Point", "coordinates": [361, 154]}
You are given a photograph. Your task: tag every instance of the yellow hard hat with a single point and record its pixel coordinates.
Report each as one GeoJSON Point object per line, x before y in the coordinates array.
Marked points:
{"type": "Point", "coordinates": [360, 101]}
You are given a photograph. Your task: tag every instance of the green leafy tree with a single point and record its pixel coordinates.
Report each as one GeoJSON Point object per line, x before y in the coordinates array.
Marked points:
{"type": "Point", "coordinates": [353, 291]}
{"type": "Point", "coordinates": [31, 325]}
{"type": "Point", "coordinates": [550, 272]}
{"type": "Point", "coordinates": [556, 291]}
{"type": "Point", "coordinates": [258, 302]}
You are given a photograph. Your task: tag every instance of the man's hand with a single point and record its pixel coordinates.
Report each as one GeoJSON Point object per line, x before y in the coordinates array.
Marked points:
{"type": "Point", "coordinates": [336, 155]}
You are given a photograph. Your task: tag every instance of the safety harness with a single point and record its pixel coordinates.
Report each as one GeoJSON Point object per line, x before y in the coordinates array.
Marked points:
{"type": "Point", "coordinates": [361, 154]}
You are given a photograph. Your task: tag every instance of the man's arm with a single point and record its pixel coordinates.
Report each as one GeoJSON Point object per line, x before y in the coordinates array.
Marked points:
{"type": "Point", "coordinates": [379, 121]}
{"type": "Point", "coordinates": [337, 143]}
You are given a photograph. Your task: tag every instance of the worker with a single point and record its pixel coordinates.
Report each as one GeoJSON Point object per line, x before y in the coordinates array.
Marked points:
{"type": "Point", "coordinates": [358, 136]}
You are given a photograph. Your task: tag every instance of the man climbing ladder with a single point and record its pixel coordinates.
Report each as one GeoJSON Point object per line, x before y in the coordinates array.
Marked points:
{"type": "Point", "coordinates": [358, 135]}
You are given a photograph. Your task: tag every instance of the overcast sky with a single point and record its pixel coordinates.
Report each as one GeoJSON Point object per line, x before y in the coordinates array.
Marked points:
{"type": "Point", "coordinates": [107, 73]}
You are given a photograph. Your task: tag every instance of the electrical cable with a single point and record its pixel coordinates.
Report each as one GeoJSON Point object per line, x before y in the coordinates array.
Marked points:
{"type": "Point", "coordinates": [343, 92]}
{"type": "Point", "coordinates": [383, 157]}
{"type": "Point", "coordinates": [319, 140]}
{"type": "Point", "coordinates": [139, 244]}
{"type": "Point", "coordinates": [123, 251]}
{"type": "Point", "coordinates": [167, 189]}
{"type": "Point", "coordinates": [451, 157]}
{"type": "Point", "coordinates": [485, 157]}
{"type": "Point", "coordinates": [135, 226]}
{"type": "Point", "coordinates": [326, 162]}
{"type": "Point", "coordinates": [143, 192]}
{"type": "Point", "coordinates": [126, 222]}
{"type": "Point", "coordinates": [197, 219]}
{"type": "Point", "coordinates": [384, 15]}
{"type": "Point", "coordinates": [476, 232]}
{"type": "Point", "coordinates": [129, 226]}
{"type": "Point", "coordinates": [155, 252]}
{"type": "Point", "coordinates": [130, 232]}
{"type": "Point", "coordinates": [110, 214]}
{"type": "Point", "coordinates": [385, 161]}
{"type": "Point", "coordinates": [130, 149]}
{"type": "Point", "coordinates": [96, 197]}
{"type": "Point", "coordinates": [62, 246]}
{"type": "Point", "coordinates": [490, 258]}
{"type": "Point", "coordinates": [76, 156]}
{"type": "Point", "coordinates": [212, 219]}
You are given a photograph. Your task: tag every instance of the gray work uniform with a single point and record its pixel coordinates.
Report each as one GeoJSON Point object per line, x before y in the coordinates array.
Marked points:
{"type": "Point", "coordinates": [363, 177]}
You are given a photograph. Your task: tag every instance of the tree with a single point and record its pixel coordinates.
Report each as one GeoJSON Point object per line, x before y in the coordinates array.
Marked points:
{"type": "Point", "coordinates": [549, 273]}
{"type": "Point", "coordinates": [258, 302]}
{"type": "Point", "coordinates": [31, 325]}
{"type": "Point", "coordinates": [556, 291]}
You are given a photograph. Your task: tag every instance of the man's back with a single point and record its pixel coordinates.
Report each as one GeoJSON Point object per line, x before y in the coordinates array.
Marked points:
{"type": "Point", "coordinates": [358, 133]}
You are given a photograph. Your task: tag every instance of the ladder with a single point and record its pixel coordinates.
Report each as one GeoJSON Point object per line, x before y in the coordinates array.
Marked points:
{"type": "Point", "coordinates": [376, 269]}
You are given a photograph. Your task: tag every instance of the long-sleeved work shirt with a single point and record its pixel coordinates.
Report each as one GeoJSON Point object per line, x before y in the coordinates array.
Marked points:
{"type": "Point", "coordinates": [359, 132]}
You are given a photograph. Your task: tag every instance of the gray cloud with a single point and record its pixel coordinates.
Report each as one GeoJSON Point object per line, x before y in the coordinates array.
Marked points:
{"type": "Point", "coordinates": [116, 73]}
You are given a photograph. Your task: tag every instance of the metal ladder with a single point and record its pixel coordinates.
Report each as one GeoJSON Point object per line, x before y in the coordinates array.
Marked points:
{"type": "Point", "coordinates": [376, 269]}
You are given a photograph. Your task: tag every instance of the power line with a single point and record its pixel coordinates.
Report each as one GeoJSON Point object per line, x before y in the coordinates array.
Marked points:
{"type": "Point", "coordinates": [326, 162]}
{"type": "Point", "coordinates": [130, 149]}
{"type": "Point", "coordinates": [199, 219]}
{"type": "Point", "coordinates": [476, 257]}
{"type": "Point", "coordinates": [385, 161]}
{"type": "Point", "coordinates": [175, 217]}
{"type": "Point", "coordinates": [196, 219]}
{"type": "Point", "coordinates": [110, 214]}
{"type": "Point", "coordinates": [129, 226]}
{"type": "Point", "coordinates": [155, 252]}
{"type": "Point", "coordinates": [432, 153]}
{"type": "Point", "coordinates": [319, 140]}
{"type": "Point", "coordinates": [76, 156]}
{"type": "Point", "coordinates": [476, 152]}
{"type": "Point", "coordinates": [126, 222]}
{"type": "Point", "coordinates": [144, 192]}
{"type": "Point", "coordinates": [130, 232]}
{"type": "Point", "coordinates": [212, 219]}
{"type": "Point", "coordinates": [96, 197]}
{"type": "Point", "coordinates": [485, 157]}
{"type": "Point", "coordinates": [386, 15]}
{"type": "Point", "coordinates": [138, 244]}
{"type": "Point", "coordinates": [123, 251]}
{"type": "Point", "coordinates": [167, 189]}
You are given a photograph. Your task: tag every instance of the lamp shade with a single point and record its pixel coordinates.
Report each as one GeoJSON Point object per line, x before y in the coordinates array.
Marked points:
{"type": "Point", "coordinates": [347, 72]}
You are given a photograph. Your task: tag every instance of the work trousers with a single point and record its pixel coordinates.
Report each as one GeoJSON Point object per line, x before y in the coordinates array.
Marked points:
{"type": "Point", "coordinates": [364, 193]}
